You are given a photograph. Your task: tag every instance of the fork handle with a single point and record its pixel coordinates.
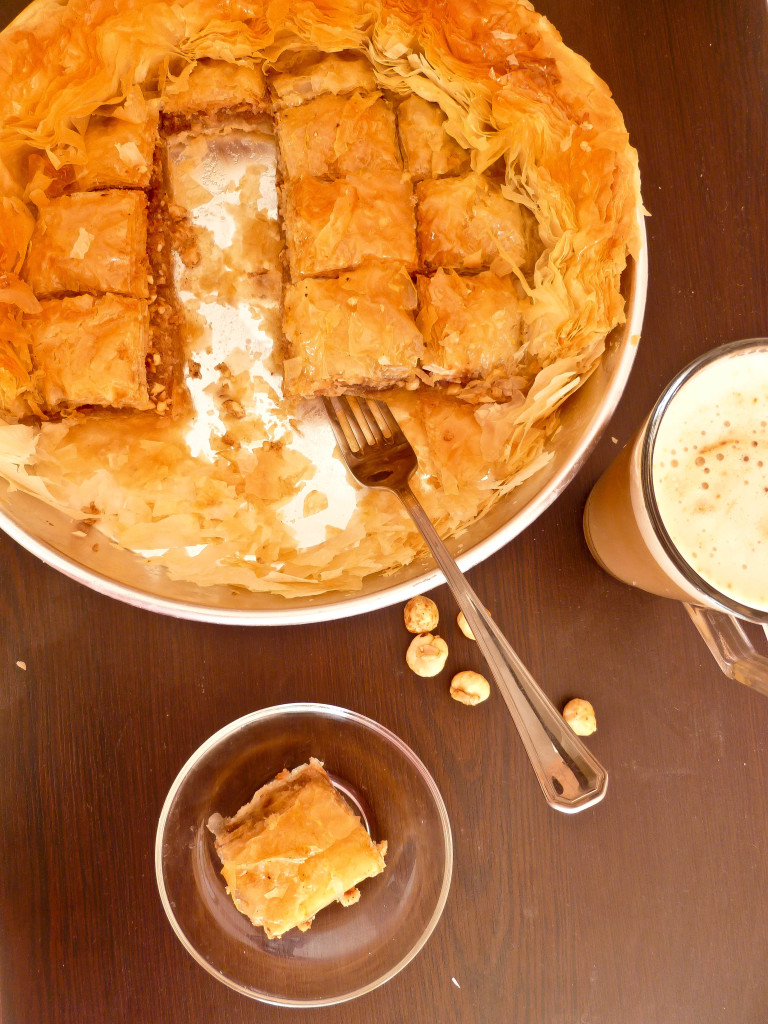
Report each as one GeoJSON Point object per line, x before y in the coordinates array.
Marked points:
{"type": "Point", "coordinates": [570, 776]}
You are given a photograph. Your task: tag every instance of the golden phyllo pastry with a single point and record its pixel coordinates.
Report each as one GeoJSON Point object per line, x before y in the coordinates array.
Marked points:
{"type": "Point", "coordinates": [335, 225]}
{"type": "Point", "coordinates": [92, 351]}
{"type": "Point", "coordinates": [516, 170]}
{"type": "Point", "coordinates": [118, 153]}
{"type": "Point", "coordinates": [293, 849]}
{"type": "Point", "coordinates": [467, 223]}
{"type": "Point", "coordinates": [351, 332]}
{"type": "Point", "coordinates": [90, 242]}
{"type": "Point", "coordinates": [471, 324]}
{"type": "Point", "coordinates": [336, 73]}
{"type": "Point", "coordinates": [336, 135]}
{"type": "Point", "coordinates": [429, 151]}
{"type": "Point", "coordinates": [217, 89]}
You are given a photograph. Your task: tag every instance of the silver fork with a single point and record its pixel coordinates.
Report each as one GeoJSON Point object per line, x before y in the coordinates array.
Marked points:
{"type": "Point", "coordinates": [379, 454]}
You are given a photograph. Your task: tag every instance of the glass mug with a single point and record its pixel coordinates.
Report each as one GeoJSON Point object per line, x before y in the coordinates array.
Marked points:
{"type": "Point", "coordinates": [683, 510]}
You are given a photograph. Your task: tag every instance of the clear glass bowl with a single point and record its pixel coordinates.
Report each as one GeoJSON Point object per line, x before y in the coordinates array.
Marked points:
{"type": "Point", "coordinates": [347, 951]}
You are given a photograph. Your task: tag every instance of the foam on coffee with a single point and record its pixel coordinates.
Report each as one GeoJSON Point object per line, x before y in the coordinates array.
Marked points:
{"type": "Point", "coordinates": [710, 474]}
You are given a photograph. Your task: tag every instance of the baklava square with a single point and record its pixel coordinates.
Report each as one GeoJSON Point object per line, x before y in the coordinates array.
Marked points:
{"type": "Point", "coordinates": [336, 73]}
{"type": "Point", "coordinates": [92, 351]}
{"type": "Point", "coordinates": [471, 324]}
{"type": "Point", "coordinates": [119, 153]}
{"type": "Point", "coordinates": [90, 242]}
{"type": "Point", "coordinates": [331, 136]}
{"type": "Point", "coordinates": [468, 224]}
{"type": "Point", "coordinates": [352, 332]}
{"type": "Point", "coordinates": [335, 225]}
{"type": "Point", "coordinates": [293, 849]}
{"type": "Point", "coordinates": [216, 87]}
{"type": "Point", "coordinates": [429, 151]}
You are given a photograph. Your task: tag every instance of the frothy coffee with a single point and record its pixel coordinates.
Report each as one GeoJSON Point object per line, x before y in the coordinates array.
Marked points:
{"type": "Point", "coordinates": [710, 475]}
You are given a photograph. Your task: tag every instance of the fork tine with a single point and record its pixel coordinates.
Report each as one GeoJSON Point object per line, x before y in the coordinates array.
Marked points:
{"type": "Point", "coordinates": [370, 418]}
{"type": "Point", "coordinates": [352, 422]}
{"type": "Point", "coordinates": [386, 414]}
{"type": "Point", "coordinates": [336, 427]}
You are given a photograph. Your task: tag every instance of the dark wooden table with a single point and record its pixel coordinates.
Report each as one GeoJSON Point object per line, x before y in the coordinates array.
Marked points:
{"type": "Point", "coordinates": [650, 908]}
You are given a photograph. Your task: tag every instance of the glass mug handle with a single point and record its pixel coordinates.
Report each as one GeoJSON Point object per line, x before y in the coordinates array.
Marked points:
{"type": "Point", "coordinates": [731, 647]}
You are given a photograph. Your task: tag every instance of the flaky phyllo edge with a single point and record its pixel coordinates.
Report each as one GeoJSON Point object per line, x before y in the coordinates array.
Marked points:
{"type": "Point", "coordinates": [510, 89]}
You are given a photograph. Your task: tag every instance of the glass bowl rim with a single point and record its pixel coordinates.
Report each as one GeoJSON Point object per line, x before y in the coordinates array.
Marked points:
{"type": "Point", "coordinates": [333, 711]}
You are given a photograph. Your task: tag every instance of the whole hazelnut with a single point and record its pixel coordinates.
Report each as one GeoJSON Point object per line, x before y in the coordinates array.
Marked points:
{"type": "Point", "coordinates": [464, 626]}
{"type": "Point", "coordinates": [470, 688]}
{"type": "Point", "coordinates": [426, 654]}
{"type": "Point", "coordinates": [580, 715]}
{"type": "Point", "coordinates": [421, 615]}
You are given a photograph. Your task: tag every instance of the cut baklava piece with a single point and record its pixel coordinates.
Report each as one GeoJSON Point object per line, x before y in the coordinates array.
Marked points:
{"type": "Point", "coordinates": [315, 74]}
{"type": "Point", "coordinates": [336, 135]}
{"type": "Point", "coordinates": [429, 150]}
{"type": "Point", "coordinates": [352, 332]}
{"type": "Point", "coordinates": [466, 223]}
{"type": "Point", "coordinates": [90, 242]}
{"type": "Point", "coordinates": [472, 325]}
{"type": "Point", "coordinates": [118, 153]}
{"type": "Point", "coordinates": [214, 94]}
{"type": "Point", "coordinates": [293, 849]}
{"type": "Point", "coordinates": [92, 351]}
{"type": "Point", "coordinates": [335, 225]}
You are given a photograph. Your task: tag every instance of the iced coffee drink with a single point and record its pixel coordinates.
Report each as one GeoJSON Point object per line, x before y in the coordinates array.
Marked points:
{"type": "Point", "coordinates": [683, 512]}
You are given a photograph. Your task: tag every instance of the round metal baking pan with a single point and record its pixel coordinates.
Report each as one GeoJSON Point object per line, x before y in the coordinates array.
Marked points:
{"type": "Point", "coordinates": [50, 535]}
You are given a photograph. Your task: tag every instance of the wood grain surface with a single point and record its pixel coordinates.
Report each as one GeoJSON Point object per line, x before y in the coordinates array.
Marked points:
{"type": "Point", "coordinates": [650, 908]}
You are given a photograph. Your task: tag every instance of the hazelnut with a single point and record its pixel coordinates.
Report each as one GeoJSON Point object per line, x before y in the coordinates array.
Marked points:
{"type": "Point", "coordinates": [426, 654]}
{"type": "Point", "coordinates": [421, 615]}
{"type": "Point", "coordinates": [470, 688]}
{"type": "Point", "coordinates": [464, 626]}
{"type": "Point", "coordinates": [580, 715]}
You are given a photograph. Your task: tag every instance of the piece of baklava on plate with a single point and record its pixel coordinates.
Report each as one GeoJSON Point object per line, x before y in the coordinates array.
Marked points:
{"type": "Point", "coordinates": [468, 224]}
{"type": "Point", "coordinates": [91, 242]}
{"type": "Point", "coordinates": [91, 351]}
{"type": "Point", "coordinates": [335, 225]}
{"type": "Point", "coordinates": [316, 74]}
{"type": "Point", "coordinates": [354, 332]}
{"type": "Point", "coordinates": [293, 849]}
{"type": "Point", "coordinates": [429, 151]}
{"type": "Point", "coordinates": [331, 136]}
{"type": "Point", "coordinates": [214, 94]}
{"type": "Point", "coordinates": [118, 152]}
{"type": "Point", "coordinates": [472, 325]}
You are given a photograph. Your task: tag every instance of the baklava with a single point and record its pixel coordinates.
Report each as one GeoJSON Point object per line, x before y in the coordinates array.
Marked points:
{"type": "Point", "coordinates": [318, 74]}
{"type": "Point", "coordinates": [90, 242]}
{"type": "Point", "coordinates": [212, 213]}
{"type": "Point", "coordinates": [336, 225]}
{"type": "Point", "coordinates": [118, 152]}
{"type": "Point", "coordinates": [467, 223]}
{"type": "Point", "coordinates": [331, 136]}
{"type": "Point", "coordinates": [430, 152]}
{"type": "Point", "coordinates": [293, 849]}
{"type": "Point", "coordinates": [354, 332]}
{"type": "Point", "coordinates": [92, 351]}
{"type": "Point", "coordinates": [472, 325]}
